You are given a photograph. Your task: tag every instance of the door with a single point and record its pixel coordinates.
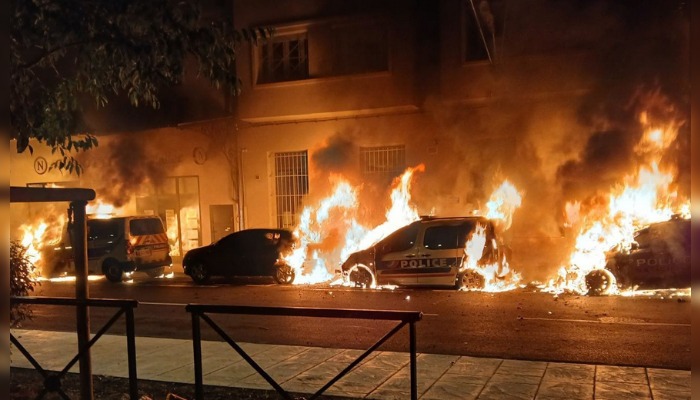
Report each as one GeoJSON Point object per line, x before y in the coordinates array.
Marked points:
{"type": "Point", "coordinates": [221, 220]}
{"type": "Point", "coordinates": [396, 257]}
{"type": "Point", "coordinates": [441, 253]}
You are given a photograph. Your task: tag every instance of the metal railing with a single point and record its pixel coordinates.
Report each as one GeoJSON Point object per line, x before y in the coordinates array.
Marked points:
{"type": "Point", "coordinates": [199, 311]}
{"type": "Point", "coordinates": [52, 381]}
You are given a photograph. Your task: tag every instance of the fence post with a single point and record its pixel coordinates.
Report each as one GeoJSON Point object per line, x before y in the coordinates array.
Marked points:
{"type": "Point", "coordinates": [131, 351]}
{"type": "Point", "coordinates": [197, 348]}
{"type": "Point", "coordinates": [414, 374]}
{"type": "Point", "coordinates": [79, 243]}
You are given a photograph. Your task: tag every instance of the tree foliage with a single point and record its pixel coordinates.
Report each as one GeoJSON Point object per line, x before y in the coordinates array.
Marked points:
{"type": "Point", "coordinates": [69, 53]}
{"type": "Point", "coordinates": [22, 281]}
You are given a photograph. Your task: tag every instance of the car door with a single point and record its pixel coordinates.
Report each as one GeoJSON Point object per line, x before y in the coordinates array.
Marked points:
{"type": "Point", "coordinates": [261, 258]}
{"type": "Point", "coordinates": [441, 252]}
{"type": "Point", "coordinates": [396, 256]}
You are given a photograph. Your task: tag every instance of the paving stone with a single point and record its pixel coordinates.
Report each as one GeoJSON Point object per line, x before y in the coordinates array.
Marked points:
{"type": "Point", "coordinates": [577, 373]}
{"type": "Point", "coordinates": [452, 386]}
{"type": "Point", "coordinates": [228, 376]}
{"type": "Point", "coordinates": [390, 360]}
{"type": "Point", "coordinates": [520, 367]}
{"type": "Point", "coordinates": [281, 373]}
{"type": "Point", "coordinates": [621, 391]}
{"type": "Point", "coordinates": [501, 377]}
{"type": "Point", "coordinates": [562, 390]}
{"type": "Point", "coordinates": [508, 391]}
{"type": "Point", "coordinates": [671, 394]}
{"type": "Point", "coordinates": [475, 366]}
{"type": "Point", "coordinates": [349, 356]}
{"type": "Point", "coordinates": [315, 355]}
{"type": "Point", "coordinates": [666, 379]}
{"type": "Point", "coordinates": [364, 379]}
{"type": "Point", "coordinates": [633, 375]}
{"type": "Point", "coordinates": [389, 394]}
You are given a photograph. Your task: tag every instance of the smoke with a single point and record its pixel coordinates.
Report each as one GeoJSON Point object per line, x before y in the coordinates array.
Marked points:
{"type": "Point", "coordinates": [336, 155]}
{"type": "Point", "coordinates": [119, 168]}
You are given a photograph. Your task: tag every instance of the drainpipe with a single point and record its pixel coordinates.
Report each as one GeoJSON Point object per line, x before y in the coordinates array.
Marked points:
{"type": "Point", "coordinates": [241, 188]}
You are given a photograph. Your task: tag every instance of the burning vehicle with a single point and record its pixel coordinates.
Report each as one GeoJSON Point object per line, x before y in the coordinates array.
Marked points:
{"type": "Point", "coordinates": [250, 252]}
{"type": "Point", "coordinates": [462, 252]}
{"type": "Point", "coordinates": [659, 258]}
{"type": "Point", "coordinates": [118, 246]}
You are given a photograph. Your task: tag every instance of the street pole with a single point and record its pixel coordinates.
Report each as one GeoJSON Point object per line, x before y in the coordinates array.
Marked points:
{"type": "Point", "coordinates": [79, 243]}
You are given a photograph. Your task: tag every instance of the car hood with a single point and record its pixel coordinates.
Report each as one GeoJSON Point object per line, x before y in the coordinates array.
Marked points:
{"type": "Point", "coordinates": [360, 257]}
{"type": "Point", "coordinates": [198, 253]}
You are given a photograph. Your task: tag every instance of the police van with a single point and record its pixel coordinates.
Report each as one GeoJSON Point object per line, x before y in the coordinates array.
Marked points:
{"type": "Point", "coordinates": [122, 245]}
{"type": "Point", "coordinates": [428, 252]}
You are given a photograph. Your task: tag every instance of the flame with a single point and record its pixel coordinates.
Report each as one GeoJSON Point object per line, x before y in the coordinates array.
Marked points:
{"type": "Point", "coordinates": [497, 275]}
{"type": "Point", "coordinates": [329, 231]}
{"type": "Point", "coordinates": [503, 203]}
{"type": "Point", "coordinates": [642, 198]}
{"type": "Point", "coordinates": [41, 236]}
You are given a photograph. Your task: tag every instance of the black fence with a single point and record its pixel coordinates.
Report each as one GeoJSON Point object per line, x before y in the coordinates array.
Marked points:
{"type": "Point", "coordinates": [199, 311]}
{"type": "Point", "coordinates": [52, 380]}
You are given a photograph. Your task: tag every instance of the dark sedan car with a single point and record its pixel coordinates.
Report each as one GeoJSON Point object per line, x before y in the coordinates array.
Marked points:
{"type": "Point", "coordinates": [250, 252]}
{"type": "Point", "coordinates": [659, 259]}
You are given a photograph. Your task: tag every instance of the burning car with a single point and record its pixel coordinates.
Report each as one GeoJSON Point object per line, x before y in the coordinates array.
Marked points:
{"type": "Point", "coordinates": [250, 252]}
{"type": "Point", "coordinates": [459, 251]}
{"type": "Point", "coordinates": [659, 258]}
{"type": "Point", "coordinates": [120, 245]}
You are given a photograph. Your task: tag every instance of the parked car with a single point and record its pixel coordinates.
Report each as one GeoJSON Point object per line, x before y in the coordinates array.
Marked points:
{"type": "Point", "coordinates": [658, 259]}
{"type": "Point", "coordinates": [116, 246]}
{"type": "Point", "coordinates": [126, 244]}
{"type": "Point", "coordinates": [428, 252]}
{"type": "Point", "coordinates": [250, 252]}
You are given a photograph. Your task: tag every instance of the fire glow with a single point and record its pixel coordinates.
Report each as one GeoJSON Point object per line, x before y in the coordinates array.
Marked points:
{"type": "Point", "coordinates": [642, 198]}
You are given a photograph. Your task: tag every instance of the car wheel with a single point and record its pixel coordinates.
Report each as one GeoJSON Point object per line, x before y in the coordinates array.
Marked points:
{"type": "Point", "coordinates": [113, 271]}
{"type": "Point", "coordinates": [361, 277]}
{"type": "Point", "coordinates": [155, 272]}
{"type": "Point", "coordinates": [198, 272]}
{"type": "Point", "coordinates": [470, 280]}
{"type": "Point", "coordinates": [284, 274]}
{"type": "Point", "coordinates": [599, 282]}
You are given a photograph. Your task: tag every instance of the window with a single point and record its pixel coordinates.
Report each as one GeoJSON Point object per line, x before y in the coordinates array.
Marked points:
{"type": "Point", "coordinates": [447, 236]}
{"type": "Point", "coordinates": [401, 240]}
{"type": "Point", "coordinates": [176, 202]}
{"type": "Point", "coordinates": [292, 186]}
{"type": "Point", "coordinates": [284, 58]}
{"type": "Point", "coordinates": [150, 226]}
{"type": "Point", "coordinates": [104, 229]}
{"type": "Point", "coordinates": [383, 161]}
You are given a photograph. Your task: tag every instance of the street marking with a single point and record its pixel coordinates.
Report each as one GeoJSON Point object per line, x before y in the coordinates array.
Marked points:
{"type": "Point", "coordinates": [587, 321]}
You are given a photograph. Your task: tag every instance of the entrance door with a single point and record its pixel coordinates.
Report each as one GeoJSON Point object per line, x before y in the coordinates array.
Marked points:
{"type": "Point", "coordinates": [221, 217]}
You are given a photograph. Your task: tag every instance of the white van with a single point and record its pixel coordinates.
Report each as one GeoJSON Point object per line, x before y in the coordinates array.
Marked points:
{"type": "Point", "coordinates": [126, 244]}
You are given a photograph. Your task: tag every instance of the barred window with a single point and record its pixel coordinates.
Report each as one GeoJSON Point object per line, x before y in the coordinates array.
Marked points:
{"type": "Point", "coordinates": [382, 161]}
{"type": "Point", "coordinates": [284, 58]}
{"type": "Point", "coordinates": [292, 186]}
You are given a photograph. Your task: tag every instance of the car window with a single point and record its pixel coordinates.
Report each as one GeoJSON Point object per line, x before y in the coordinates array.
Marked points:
{"type": "Point", "coordinates": [145, 226]}
{"type": "Point", "coordinates": [401, 240]}
{"type": "Point", "coordinates": [104, 229]}
{"type": "Point", "coordinates": [445, 237]}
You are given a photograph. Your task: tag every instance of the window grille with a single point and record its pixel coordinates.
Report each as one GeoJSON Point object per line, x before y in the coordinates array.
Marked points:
{"type": "Point", "coordinates": [383, 161]}
{"type": "Point", "coordinates": [284, 58]}
{"type": "Point", "coordinates": [292, 186]}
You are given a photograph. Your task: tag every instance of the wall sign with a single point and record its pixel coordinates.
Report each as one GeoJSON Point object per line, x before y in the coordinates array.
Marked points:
{"type": "Point", "coordinates": [199, 155]}
{"type": "Point", "coordinates": [41, 165]}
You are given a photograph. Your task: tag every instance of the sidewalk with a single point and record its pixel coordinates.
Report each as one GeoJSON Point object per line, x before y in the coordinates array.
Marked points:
{"type": "Point", "coordinates": [383, 375]}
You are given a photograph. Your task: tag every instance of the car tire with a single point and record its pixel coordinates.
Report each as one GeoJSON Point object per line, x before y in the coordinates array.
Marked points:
{"type": "Point", "coordinates": [198, 272]}
{"type": "Point", "coordinates": [155, 272]}
{"type": "Point", "coordinates": [284, 275]}
{"type": "Point", "coordinates": [361, 277]}
{"type": "Point", "coordinates": [113, 271]}
{"type": "Point", "coordinates": [470, 280]}
{"type": "Point", "coordinates": [599, 282]}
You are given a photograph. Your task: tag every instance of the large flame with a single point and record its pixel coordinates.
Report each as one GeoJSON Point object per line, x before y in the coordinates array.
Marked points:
{"type": "Point", "coordinates": [496, 274]}
{"type": "Point", "coordinates": [503, 203]}
{"type": "Point", "coordinates": [328, 232]}
{"type": "Point", "coordinates": [642, 198]}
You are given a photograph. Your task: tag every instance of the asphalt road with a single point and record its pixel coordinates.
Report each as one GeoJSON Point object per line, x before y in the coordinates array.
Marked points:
{"type": "Point", "coordinates": [521, 324]}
